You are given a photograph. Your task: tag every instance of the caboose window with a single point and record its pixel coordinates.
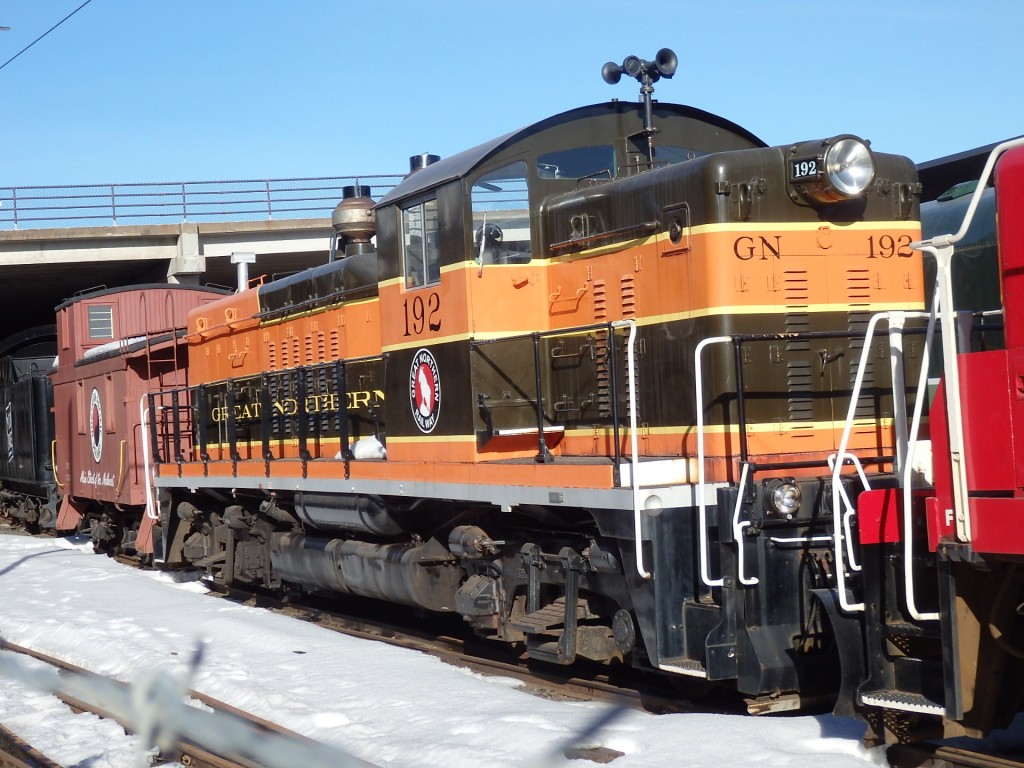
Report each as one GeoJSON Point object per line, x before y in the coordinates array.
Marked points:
{"type": "Point", "coordinates": [420, 257]}
{"type": "Point", "coordinates": [101, 321]}
{"type": "Point", "coordinates": [501, 216]}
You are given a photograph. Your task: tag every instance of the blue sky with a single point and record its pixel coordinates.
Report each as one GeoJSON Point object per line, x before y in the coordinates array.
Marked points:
{"type": "Point", "coordinates": [184, 90]}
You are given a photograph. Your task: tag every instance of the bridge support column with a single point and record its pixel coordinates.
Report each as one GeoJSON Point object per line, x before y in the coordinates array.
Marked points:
{"type": "Point", "coordinates": [188, 263]}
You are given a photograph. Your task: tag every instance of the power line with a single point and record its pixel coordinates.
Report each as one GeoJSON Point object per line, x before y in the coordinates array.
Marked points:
{"type": "Point", "coordinates": [45, 33]}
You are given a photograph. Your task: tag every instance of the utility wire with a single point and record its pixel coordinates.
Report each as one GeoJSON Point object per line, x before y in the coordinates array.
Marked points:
{"type": "Point", "coordinates": [45, 33]}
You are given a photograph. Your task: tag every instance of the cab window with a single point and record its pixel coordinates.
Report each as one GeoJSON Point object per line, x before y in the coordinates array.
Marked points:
{"type": "Point", "coordinates": [421, 260]}
{"type": "Point", "coordinates": [578, 163]}
{"type": "Point", "coordinates": [501, 216]}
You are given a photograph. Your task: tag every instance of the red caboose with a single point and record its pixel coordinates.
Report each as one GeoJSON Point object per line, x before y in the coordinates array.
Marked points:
{"type": "Point", "coordinates": [114, 346]}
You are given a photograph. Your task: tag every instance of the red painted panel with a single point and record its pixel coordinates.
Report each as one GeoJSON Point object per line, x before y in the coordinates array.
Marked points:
{"type": "Point", "coordinates": [997, 526]}
{"type": "Point", "coordinates": [985, 405]}
{"type": "Point", "coordinates": [878, 516]}
{"type": "Point", "coordinates": [1010, 224]}
{"type": "Point", "coordinates": [940, 522]}
{"type": "Point", "coordinates": [1015, 395]}
{"type": "Point", "coordinates": [941, 465]}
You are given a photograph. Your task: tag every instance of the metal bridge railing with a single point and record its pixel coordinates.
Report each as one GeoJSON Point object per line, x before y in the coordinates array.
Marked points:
{"type": "Point", "coordinates": [85, 205]}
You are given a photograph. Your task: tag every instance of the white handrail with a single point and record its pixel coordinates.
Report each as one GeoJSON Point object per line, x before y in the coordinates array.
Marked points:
{"type": "Point", "coordinates": [800, 539]}
{"type": "Point", "coordinates": [634, 475]}
{"type": "Point", "coordinates": [848, 516]}
{"type": "Point", "coordinates": [144, 421]}
{"type": "Point", "coordinates": [838, 493]}
{"type": "Point", "coordinates": [702, 507]}
{"type": "Point", "coordinates": [896, 377]}
{"type": "Point", "coordinates": [910, 594]}
{"type": "Point", "coordinates": [837, 522]}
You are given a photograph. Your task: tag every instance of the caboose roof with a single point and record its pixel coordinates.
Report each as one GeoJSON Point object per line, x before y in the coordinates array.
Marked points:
{"type": "Point", "coordinates": [104, 291]}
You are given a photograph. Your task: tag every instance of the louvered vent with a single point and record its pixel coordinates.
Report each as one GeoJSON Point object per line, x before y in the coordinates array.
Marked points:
{"type": "Point", "coordinates": [799, 366]}
{"type": "Point", "coordinates": [857, 323]}
{"type": "Point", "coordinates": [627, 286]}
{"type": "Point", "coordinates": [604, 388]}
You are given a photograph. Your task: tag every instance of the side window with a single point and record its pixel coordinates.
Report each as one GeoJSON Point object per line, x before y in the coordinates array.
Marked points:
{"type": "Point", "coordinates": [421, 261]}
{"type": "Point", "coordinates": [101, 321]}
{"type": "Point", "coordinates": [501, 216]}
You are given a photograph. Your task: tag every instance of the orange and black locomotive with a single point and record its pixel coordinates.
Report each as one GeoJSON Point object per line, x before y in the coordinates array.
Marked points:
{"type": "Point", "coordinates": [607, 386]}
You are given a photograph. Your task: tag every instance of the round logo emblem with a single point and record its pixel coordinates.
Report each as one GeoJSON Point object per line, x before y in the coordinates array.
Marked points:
{"type": "Point", "coordinates": [96, 425]}
{"type": "Point", "coordinates": [424, 390]}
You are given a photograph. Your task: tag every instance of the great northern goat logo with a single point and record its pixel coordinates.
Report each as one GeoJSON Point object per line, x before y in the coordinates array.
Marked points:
{"type": "Point", "coordinates": [96, 425]}
{"type": "Point", "coordinates": [424, 390]}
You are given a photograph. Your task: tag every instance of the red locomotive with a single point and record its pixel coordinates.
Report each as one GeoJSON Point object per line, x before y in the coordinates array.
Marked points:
{"type": "Point", "coordinates": [944, 639]}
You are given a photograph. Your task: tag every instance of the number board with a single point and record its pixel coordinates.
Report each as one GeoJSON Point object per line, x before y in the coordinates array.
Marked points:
{"type": "Point", "coordinates": [805, 168]}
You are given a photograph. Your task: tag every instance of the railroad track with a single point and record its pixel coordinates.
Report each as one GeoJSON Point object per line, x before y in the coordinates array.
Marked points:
{"type": "Point", "coordinates": [222, 737]}
{"type": "Point", "coordinates": [623, 687]}
{"type": "Point", "coordinates": [940, 756]}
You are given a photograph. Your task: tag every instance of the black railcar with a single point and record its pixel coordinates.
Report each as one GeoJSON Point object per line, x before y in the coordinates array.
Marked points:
{"type": "Point", "coordinates": [28, 491]}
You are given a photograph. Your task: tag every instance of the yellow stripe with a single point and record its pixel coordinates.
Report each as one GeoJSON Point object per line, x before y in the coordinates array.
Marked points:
{"type": "Point", "coordinates": [702, 229]}
{"type": "Point", "coordinates": [712, 229]}
{"type": "Point", "coordinates": [760, 428]}
{"type": "Point", "coordinates": [437, 340]}
{"type": "Point", "coordinates": [776, 309]}
{"type": "Point", "coordinates": [679, 429]}
{"type": "Point", "coordinates": [753, 309]}
{"type": "Point", "coordinates": [432, 439]}
{"type": "Point", "coordinates": [796, 226]}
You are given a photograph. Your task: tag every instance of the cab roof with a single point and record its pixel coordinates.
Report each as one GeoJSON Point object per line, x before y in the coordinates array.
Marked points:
{"type": "Point", "coordinates": [463, 163]}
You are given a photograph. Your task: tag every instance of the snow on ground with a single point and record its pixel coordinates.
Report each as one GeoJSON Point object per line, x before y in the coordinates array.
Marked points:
{"type": "Point", "coordinates": [392, 707]}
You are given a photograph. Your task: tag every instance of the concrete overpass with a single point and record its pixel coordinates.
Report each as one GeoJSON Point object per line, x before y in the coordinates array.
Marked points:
{"type": "Point", "coordinates": [40, 268]}
{"type": "Point", "coordinates": [59, 241]}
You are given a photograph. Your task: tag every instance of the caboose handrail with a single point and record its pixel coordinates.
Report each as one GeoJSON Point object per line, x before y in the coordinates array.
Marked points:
{"type": "Point", "coordinates": [147, 473]}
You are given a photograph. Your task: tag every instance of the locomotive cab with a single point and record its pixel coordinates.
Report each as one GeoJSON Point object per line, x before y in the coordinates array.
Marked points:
{"type": "Point", "coordinates": [504, 339]}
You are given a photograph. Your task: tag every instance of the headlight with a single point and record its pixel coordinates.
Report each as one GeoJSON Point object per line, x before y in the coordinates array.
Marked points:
{"type": "Point", "coordinates": [832, 170]}
{"type": "Point", "coordinates": [782, 498]}
{"type": "Point", "coordinates": [849, 167]}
